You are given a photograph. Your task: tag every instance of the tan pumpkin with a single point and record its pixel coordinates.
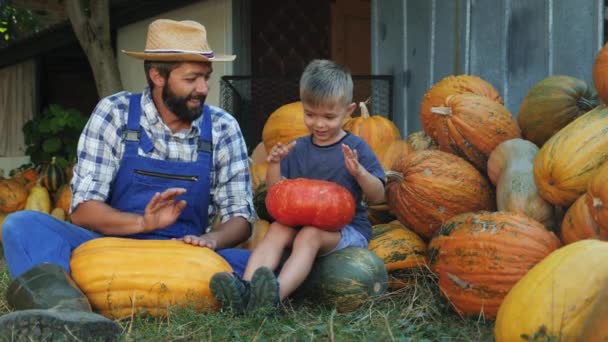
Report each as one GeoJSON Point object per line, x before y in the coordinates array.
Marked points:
{"type": "Point", "coordinates": [471, 126]}
{"type": "Point", "coordinates": [600, 73]}
{"type": "Point", "coordinates": [587, 218]}
{"type": "Point", "coordinates": [452, 85]}
{"type": "Point", "coordinates": [511, 169]}
{"type": "Point", "coordinates": [58, 213]}
{"type": "Point", "coordinates": [568, 160]}
{"type": "Point", "coordinates": [38, 199]}
{"type": "Point", "coordinates": [376, 130]}
{"type": "Point", "coordinates": [396, 150]}
{"type": "Point", "coordinates": [401, 250]}
{"type": "Point", "coordinates": [284, 125]}
{"type": "Point", "coordinates": [259, 154]}
{"type": "Point", "coordinates": [122, 277]}
{"type": "Point", "coordinates": [429, 187]}
{"type": "Point", "coordinates": [480, 256]}
{"type": "Point", "coordinates": [553, 103]}
{"type": "Point", "coordinates": [63, 198]}
{"type": "Point", "coordinates": [421, 141]}
{"type": "Point", "coordinates": [258, 232]}
{"type": "Point", "coordinates": [13, 196]}
{"type": "Point", "coordinates": [258, 174]}
{"type": "Point", "coordinates": [555, 297]}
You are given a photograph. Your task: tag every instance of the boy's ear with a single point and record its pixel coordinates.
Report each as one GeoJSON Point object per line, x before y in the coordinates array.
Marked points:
{"type": "Point", "coordinates": [157, 78]}
{"type": "Point", "coordinates": [350, 109]}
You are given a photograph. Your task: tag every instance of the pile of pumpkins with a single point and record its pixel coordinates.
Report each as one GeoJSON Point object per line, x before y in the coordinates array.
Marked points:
{"type": "Point", "coordinates": [44, 188]}
{"type": "Point", "coordinates": [510, 213]}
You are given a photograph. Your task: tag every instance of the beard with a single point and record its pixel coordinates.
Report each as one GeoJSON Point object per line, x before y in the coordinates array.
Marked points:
{"type": "Point", "coordinates": [179, 105]}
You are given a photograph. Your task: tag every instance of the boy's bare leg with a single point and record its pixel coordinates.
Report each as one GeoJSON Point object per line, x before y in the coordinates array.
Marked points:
{"type": "Point", "coordinates": [270, 250]}
{"type": "Point", "coordinates": [308, 243]}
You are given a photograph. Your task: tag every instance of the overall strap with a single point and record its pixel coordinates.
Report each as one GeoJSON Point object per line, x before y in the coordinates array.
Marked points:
{"type": "Point", "coordinates": [132, 134]}
{"type": "Point", "coordinates": [205, 143]}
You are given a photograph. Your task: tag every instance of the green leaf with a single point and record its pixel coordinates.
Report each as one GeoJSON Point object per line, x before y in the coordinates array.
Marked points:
{"type": "Point", "coordinates": [51, 145]}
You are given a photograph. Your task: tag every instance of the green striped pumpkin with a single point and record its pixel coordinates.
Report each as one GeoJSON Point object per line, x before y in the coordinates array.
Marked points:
{"type": "Point", "coordinates": [52, 176]}
{"type": "Point", "coordinates": [345, 279]}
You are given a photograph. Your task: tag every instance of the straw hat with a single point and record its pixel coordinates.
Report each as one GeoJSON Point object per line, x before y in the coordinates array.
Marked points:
{"type": "Point", "coordinates": [178, 41]}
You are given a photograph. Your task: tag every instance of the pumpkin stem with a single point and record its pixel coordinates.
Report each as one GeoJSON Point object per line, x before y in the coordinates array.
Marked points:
{"type": "Point", "coordinates": [393, 176]}
{"type": "Point", "coordinates": [441, 110]}
{"type": "Point", "coordinates": [597, 202]}
{"type": "Point", "coordinates": [463, 284]}
{"type": "Point", "coordinates": [364, 110]}
{"type": "Point", "coordinates": [585, 104]}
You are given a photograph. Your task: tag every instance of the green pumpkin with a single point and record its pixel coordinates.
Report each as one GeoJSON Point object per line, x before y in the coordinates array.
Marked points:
{"type": "Point", "coordinates": [552, 104]}
{"type": "Point", "coordinates": [259, 203]}
{"type": "Point", "coordinates": [52, 176]}
{"type": "Point", "coordinates": [345, 279]}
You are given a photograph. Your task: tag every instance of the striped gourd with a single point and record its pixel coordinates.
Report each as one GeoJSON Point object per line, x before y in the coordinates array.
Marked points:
{"type": "Point", "coordinates": [52, 176]}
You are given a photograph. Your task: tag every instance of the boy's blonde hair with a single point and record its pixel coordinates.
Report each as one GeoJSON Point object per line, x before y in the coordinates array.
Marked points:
{"type": "Point", "coordinates": [326, 82]}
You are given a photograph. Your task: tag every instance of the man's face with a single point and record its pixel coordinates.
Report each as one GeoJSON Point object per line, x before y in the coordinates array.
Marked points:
{"type": "Point", "coordinates": [186, 89]}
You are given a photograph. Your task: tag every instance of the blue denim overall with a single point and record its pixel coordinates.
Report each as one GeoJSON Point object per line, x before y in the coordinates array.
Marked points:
{"type": "Point", "coordinates": [31, 237]}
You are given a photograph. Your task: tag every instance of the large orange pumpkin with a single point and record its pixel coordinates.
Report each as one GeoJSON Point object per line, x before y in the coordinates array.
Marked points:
{"type": "Point", "coordinates": [396, 150]}
{"type": "Point", "coordinates": [552, 104]}
{"type": "Point", "coordinates": [600, 73]}
{"type": "Point", "coordinates": [452, 85]}
{"type": "Point", "coordinates": [376, 130]}
{"type": "Point", "coordinates": [310, 202]}
{"type": "Point", "coordinates": [121, 277]}
{"type": "Point", "coordinates": [429, 187]}
{"type": "Point", "coordinates": [480, 256]}
{"type": "Point", "coordinates": [471, 126]}
{"type": "Point", "coordinates": [568, 160]}
{"type": "Point", "coordinates": [284, 125]}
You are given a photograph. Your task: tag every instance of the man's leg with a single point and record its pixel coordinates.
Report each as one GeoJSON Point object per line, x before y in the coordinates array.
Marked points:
{"type": "Point", "coordinates": [31, 238]}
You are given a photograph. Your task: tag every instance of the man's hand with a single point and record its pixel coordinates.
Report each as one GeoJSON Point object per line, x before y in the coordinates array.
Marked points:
{"type": "Point", "coordinates": [162, 210]}
{"type": "Point", "coordinates": [201, 241]}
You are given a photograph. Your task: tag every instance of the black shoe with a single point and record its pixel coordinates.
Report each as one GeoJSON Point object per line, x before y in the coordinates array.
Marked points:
{"type": "Point", "coordinates": [53, 325]}
{"type": "Point", "coordinates": [264, 290]}
{"type": "Point", "coordinates": [230, 290]}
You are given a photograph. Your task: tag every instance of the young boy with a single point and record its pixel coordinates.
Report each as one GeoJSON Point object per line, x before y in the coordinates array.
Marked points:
{"type": "Point", "coordinates": [328, 153]}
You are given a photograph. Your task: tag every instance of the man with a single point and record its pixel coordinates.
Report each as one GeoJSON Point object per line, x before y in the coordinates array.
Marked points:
{"type": "Point", "coordinates": [155, 165]}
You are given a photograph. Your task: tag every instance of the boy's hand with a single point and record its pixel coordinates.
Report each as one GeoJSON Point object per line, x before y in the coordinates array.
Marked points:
{"type": "Point", "coordinates": [351, 161]}
{"type": "Point", "coordinates": [279, 151]}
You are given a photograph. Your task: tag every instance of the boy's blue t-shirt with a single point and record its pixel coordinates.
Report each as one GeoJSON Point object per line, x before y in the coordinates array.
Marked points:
{"type": "Point", "coordinates": [307, 160]}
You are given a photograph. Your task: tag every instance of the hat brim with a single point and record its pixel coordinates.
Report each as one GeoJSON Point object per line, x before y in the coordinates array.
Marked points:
{"type": "Point", "coordinates": [178, 57]}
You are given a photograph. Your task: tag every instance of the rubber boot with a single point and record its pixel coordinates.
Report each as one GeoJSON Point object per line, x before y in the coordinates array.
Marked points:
{"type": "Point", "coordinates": [49, 306]}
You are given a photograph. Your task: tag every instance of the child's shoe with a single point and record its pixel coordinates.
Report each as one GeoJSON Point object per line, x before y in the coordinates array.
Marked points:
{"type": "Point", "coordinates": [264, 290]}
{"type": "Point", "coordinates": [231, 291]}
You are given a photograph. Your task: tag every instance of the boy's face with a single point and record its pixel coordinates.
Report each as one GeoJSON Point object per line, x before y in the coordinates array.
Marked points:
{"type": "Point", "coordinates": [325, 121]}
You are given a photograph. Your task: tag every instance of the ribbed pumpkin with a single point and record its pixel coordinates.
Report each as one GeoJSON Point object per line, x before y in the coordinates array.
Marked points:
{"type": "Point", "coordinates": [587, 218]}
{"type": "Point", "coordinates": [376, 130]}
{"type": "Point", "coordinates": [552, 104]}
{"type": "Point", "coordinates": [565, 164]}
{"type": "Point", "coordinates": [480, 256]}
{"type": "Point", "coordinates": [284, 125]}
{"type": "Point", "coordinates": [452, 85]}
{"type": "Point", "coordinates": [52, 176]}
{"type": "Point", "coordinates": [396, 150]}
{"type": "Point", "coordinates": [121, 277]}
{"type": "Point", "coordinates": [556, 295]}
{"type": "Point", "coordinates": [310, 202]}
{"type": "Point", "coordinates": [345, 279]}
{"type": "Point", "coordinates": [401, 250]}
{"type": "Point", "coordinates": [470, 126]}
{"type": "Point", "coordinates": [58, 213]}
{"type": "Point", "coordinates": [511, 169]}
{"type": "Point", "coordinates": [429, 187]}
{"type": "Point", "coordinates": [63, 198]}
{"type": "Point", "coordinates": [600, 73]}
{"type": "Point", "coordinates": [421, 141]}
{"type": "Point", "coordinates": [13, 196]}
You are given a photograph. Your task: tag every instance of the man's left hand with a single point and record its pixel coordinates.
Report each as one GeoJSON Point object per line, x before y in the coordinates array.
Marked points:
{"type": "Point", "coordinates": [201, 241]}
